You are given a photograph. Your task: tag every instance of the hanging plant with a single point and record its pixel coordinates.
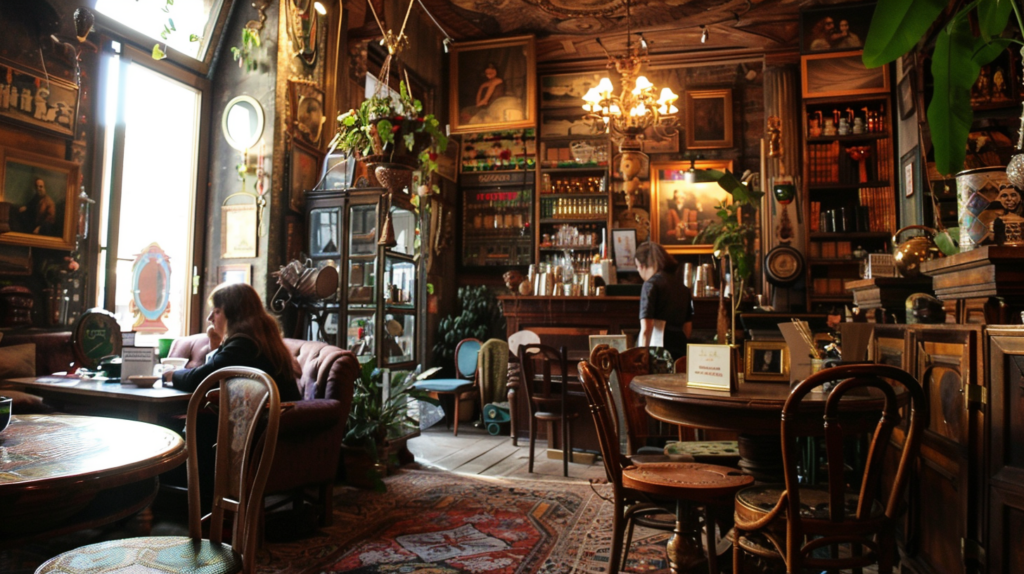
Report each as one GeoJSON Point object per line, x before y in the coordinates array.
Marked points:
{"type": "Point", "coordinates": [245, 55]}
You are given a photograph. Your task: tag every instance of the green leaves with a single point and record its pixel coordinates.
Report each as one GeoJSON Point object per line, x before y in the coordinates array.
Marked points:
{"type": "Point", "coordinates": [896, 27]}
{"type": "Point", "coordinates": [949, 113]}
{"type": "Point", "coordinates": [993, 17]}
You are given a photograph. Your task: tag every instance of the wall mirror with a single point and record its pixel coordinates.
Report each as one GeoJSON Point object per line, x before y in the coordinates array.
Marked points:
{"type": "Point", "coordinates": [243, 122]}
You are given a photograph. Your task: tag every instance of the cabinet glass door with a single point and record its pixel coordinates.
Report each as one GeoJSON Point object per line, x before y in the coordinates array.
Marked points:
{"type": "Point", "coordinates": [325, 232]}
{"type": "Point", "coordinates": [363, 230]}
{"type": "Point", "coordinates": [404, 222]}
{"type": "Point", "coordinates": [399, 338]}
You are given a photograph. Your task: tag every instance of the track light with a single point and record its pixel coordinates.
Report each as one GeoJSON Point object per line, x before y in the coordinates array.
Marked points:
{"type": "Point", "coordinates": [446, 42]}
{"type": "Point", "coordinates": [703, 34]}
{"type": "Point", "coordinates": [320, 8]}
{"type": "Point", "coordinates": [643, 42]}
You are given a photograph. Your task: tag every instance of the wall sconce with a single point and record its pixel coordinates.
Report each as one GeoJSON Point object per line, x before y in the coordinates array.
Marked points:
{"type": "Point", "coordinates": [320, 8]}
{"type": "Point", "coordinates": [84, 208]}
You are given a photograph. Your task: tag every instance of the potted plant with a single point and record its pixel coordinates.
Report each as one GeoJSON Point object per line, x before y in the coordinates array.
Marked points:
{"type": "Point", "coordinates": [377, 425]}
{"type": "Point", "coordinates": [479, 318]}
{"type": "Point", "coordinates": [960, 51]}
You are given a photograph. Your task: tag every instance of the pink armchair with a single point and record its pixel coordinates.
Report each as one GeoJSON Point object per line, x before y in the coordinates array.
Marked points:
{"type": "Point", "coordinates": [309, 439]}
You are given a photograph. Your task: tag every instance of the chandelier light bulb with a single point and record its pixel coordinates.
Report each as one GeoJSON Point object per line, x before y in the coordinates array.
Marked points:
{"type": "Point", "coordinates": [604, 87]}
{"type": "Point", "coordinates": [614, 110]}
{"type": "Point", "coordinates": [667, 96]}
{"type": "Point", "coordinates": [642, 85]}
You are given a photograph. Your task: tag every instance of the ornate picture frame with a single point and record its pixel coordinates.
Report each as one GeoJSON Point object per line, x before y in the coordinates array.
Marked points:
{"type": "Point", "coordinates": [709, 119]}
{"type": "Point", "coordinates": [38, 101]}
{"type": "Point", "coordinates": [47, 220]}
{"type": "Point", "coordinates": [841, 74]}
{"type": "Point", "coordinates": [306, 116]}
{"type": "Point", "coordinates": [766, 361]}
{"type": "Point", "coordinates": [478, 102]}
{"type": "Point", "coordinates": [834, 28]}
{"type": "Point", "coordinates": [681, 209]}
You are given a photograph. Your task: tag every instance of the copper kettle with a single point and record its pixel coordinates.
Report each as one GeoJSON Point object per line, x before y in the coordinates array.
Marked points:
{"type": "Point", "coordinates": [910, 254]}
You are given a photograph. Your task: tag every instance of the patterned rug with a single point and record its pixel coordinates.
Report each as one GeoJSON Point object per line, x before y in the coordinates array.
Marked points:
{"type": "Point", "coordinates": [442, 523]}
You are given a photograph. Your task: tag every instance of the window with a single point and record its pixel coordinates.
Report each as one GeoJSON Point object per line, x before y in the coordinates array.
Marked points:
{"type": "Point", "coordinates": [151, 172]}
{"type": "Point", "coordinates": [155, 17]}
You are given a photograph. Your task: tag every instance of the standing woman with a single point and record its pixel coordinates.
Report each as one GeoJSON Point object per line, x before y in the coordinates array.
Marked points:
{"type": "Point", "coordinates": [243, 334]}
{"type": "Point", "coordinates": [666, 308]}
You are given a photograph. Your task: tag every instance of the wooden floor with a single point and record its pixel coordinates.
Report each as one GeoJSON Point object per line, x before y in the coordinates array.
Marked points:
{"type": "Point", "coordinates": [475, 451]}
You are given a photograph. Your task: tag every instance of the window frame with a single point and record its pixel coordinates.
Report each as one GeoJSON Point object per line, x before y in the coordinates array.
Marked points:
{"type": "Point", "coordinates": [130, 54]}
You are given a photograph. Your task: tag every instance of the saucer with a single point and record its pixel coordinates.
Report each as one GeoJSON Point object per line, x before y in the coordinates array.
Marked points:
{"type": "Point", "coordinates": [143, 381]}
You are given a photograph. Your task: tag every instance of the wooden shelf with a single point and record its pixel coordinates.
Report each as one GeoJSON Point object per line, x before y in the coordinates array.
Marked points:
{"type": "Point", "coordinates": [846, 186]}
{"type": "Point", "coordinates": [832, 298]}
{"type": "Point", "coordinates": [833, 261]}
{"type": "Point", "coordinates": [570, 248]}
{"type": "Point", "coordinates": [603, 168]}
{"type": "Point", "coordinates": [850, 235]}
{"type": "Point", "coordinates": [850, 138]}
{"type": "Point", "coordinates": [602, 219]}
{"type": "Point", "coordinates": [599, 194]}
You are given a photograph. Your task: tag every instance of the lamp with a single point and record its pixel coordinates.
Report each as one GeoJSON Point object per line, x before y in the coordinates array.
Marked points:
{"type": "Point", "coordinates": [638, 107]}
{"type": "Point", "coordinates": [320, 8]}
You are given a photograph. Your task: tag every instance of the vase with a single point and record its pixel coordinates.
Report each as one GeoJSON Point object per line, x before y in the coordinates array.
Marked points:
{"type": "Point", "coordinates": [977, 192]}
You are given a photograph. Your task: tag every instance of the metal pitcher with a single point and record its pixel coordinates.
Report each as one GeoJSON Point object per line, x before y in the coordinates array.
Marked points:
{"type": "Point", "coordinates": [910, 254]}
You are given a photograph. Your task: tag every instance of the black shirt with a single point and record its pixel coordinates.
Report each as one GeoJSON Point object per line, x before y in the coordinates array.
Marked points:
{"type": "Point", "coordinates": [239, 351]}
{"type": "Point", "coordinates": [664, 297]}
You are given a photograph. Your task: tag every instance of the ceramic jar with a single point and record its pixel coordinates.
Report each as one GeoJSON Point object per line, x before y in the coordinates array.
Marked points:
{"type": "Point", "coordinates": [978, 204]}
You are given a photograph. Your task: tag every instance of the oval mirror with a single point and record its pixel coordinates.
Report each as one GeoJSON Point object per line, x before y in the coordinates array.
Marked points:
{"type": "Point", "coordinates": [243, 122]}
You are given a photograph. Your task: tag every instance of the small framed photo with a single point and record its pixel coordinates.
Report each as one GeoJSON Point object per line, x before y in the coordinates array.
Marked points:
{"type": "Point", "coordinates": [708, 119]}
{"type": "Point", "coordinates": [905, 94]}
{"type": "Point", "coordinates": [624, 249]}
{"type": "Point", "coordinates": [617, 342]}
{"type": "Point", "coordinates": [493, 85]}
{"type": "Point", "coordinates": [841, 74]}
{"type": "Point", "coordinates": [910, 171]}
{"type": "Point", "coordinates": [235, 274]}
{"type": "Point", "coordinates": [766, 361]}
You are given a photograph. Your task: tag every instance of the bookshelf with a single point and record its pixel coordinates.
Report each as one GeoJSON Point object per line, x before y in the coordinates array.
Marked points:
{"type": "Point", "coordinates": [849, 180]}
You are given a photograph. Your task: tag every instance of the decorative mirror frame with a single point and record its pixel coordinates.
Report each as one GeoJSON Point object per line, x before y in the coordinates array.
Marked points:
{"type": "Point", "coordinates": [260, 122]}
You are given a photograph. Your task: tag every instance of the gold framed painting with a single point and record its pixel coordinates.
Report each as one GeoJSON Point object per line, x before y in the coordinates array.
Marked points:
{"type": "Point", "coordinates": [41, 191]}
{"type": "Point", "coordinates": [766, 361]}
{"type": "Point", "coordinates": [682, 207]}
{"type": "Point", "coordinates": [709, 119]}
{"type": "Point", "coordinates": [493, 85]}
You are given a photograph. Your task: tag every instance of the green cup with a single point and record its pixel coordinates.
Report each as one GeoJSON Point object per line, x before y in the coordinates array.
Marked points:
{"type": "Point", "coordinates": [164, 347]}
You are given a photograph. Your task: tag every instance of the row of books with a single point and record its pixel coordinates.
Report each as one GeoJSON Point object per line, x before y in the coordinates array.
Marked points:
{"type": "Point", "coordinates": [876, 212]}
{"type": "Point", "coordinates": [828, 286]}
{"type": "Point", "coordinates": [830, 250]}
{"type": "Point", "coordinates": [881, 205]}
{"type": "Point", "coordinates": [833, 163]}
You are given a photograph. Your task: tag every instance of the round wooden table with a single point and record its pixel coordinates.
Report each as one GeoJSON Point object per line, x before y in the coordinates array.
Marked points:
{"type": "Point", "coordinates": [60, 473]}
{"type": "Point", "coordinates": [755, 411]}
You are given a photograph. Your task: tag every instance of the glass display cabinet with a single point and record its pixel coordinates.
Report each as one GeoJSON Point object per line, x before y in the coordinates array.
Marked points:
{"type": "Point", "coordinates": [377, 309]}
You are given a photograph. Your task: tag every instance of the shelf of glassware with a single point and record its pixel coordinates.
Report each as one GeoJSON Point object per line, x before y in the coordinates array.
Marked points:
{"type": "Point", "coordinates": [497, 224]}
{"type": "Point", "coordinates": [566, 154]}
{"type": "Point", "coordinates": [510, 150]}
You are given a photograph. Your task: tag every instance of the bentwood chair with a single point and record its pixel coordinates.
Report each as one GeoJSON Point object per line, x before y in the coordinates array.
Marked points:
{"type": "Point", "coordinates": [466, 353]}
{"type": "Point", "coordinates": [804, 526]}
{"type": "Point", "coordinates": [639, 489]}
{"type": "Point", "coordinates": [545, 380]}
{"type": "Point", "coordinates": [247, 397]}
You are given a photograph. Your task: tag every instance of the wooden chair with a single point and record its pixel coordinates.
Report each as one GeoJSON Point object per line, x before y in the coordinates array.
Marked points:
{"type": "Point", "coordinates": [790, 522]}
{"type": "Point", "coordinates": [541, 365]}
{"type": "Point", "coordinates": [688, 484]}
{"type": "Point", "coordinates": [246, 397]}
{"type": "Point", "coordinates": [515, 373]}
{"type": "Point", "coordinates": [466, 354]}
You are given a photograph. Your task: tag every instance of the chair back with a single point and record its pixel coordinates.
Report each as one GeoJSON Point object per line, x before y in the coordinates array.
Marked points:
{"type": "Point", "coordinates": [872, 494]}
{"type": "Point", "coordinates": [520, 338]}
{"type": "Point", "coordinates": [602, 408]}
{"type": "Point", "coordinates": [543, 368]}
{"type": "Point", "coordinates": [466, 353]}
{"type": "Point", "coordinates": [631, 364]}
{"type": "Point", "coordinates": [240, 475]}
{"type": "Point", "coordinates": [492, 369]}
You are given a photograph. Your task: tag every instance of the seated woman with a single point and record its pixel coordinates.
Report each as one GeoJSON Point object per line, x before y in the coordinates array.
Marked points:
{"type": "Point", "coordinates": [242, 334]}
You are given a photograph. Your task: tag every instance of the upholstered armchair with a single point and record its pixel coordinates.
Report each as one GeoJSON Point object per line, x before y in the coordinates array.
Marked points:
{"type": "Point", "coordinates": [309, 440]}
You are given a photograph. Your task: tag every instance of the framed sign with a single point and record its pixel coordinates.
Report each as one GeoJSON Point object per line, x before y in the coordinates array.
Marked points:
{"type": "Point", "coordinates": [238, 231]}
{"type": "Point", "coordinates": [766, 361]}
{"type": "Point", "coordinates": [624, 249]}
{"type": "Point", "coordinates": [905, 94]}
{"type": "Point", "coordinates": [38, 100]}
{"type": "Point", "coordinates": [709, 367]}
{"type": "Point", "coordinates": [41, 191]}
{"type": "Point", "coordinates": [493, 85]}
{"type": "Point", "coordinates": [708, 119]}
{"type": "Point", "coordinates": [841, 74]}
{"type": "Point", "coordinates": [910, 170]}
{"type": "Point", "coordinates": [680, 208]}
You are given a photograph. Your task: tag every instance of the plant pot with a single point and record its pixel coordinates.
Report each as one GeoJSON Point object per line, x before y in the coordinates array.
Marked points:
{"type": "Point", "coordinates": [395, 177]}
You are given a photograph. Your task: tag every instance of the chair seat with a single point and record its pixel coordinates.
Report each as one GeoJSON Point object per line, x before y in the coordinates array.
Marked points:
{"type": "Point", "coordinates": [724, 449]}
{"type": "Point", "coordinates": [554, 415]}
{"type": "Point", "coordinates": [444, 385]}
{"type": "Point", "coordinates": [151, 554]}
{"type": "Point", "coordinates": [653, 458]}
{"type": "Point", "coordinates": [685, 480]}
{"type": "Point", "coordinates": [814, 502]}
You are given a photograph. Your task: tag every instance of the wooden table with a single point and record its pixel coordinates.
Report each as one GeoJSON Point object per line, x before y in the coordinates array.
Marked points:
{"type": "Point", "coordinates": [61, 473]}
{"type": "Point", "coordinates": [106, 399]}
{"type": "Point", "coordinates": [755, 411]}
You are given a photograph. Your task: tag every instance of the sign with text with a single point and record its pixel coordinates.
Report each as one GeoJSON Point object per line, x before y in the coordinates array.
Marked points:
{"type": "Point", "coordinates": [709, 367]}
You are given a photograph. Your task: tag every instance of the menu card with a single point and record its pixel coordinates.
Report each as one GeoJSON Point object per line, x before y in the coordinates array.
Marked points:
{"type": "Point", "coordinates": [137, 361]}
{"type": "Point", "coordinates": [709, 367]}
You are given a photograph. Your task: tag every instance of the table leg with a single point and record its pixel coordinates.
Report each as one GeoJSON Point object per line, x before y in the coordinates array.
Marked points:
{"type": "Point", "coordinates": [684, 548]}
{"type": "Point", "coordinates": [761, 457]}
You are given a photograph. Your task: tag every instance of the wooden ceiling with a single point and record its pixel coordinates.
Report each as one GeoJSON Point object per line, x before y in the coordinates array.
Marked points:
{"type": "Point", "coordinates": [566, 30]}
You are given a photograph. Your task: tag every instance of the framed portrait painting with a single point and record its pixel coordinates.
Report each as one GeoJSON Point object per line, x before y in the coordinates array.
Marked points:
{"type": "Point", "coordinates": [682, 208]}
{"type": "Point", "coordinates": [303, 171]}
{"type": "Point", "coordinates": [41, 191]}
{"type": "Point", "coordinates": [766, 361]}
{"type": "Point", "coordinates": [493, 85]}
{"type": "Point", "coordinates": [996, 86]}
{"type": "Point", "coordinates": [835, 28]}
{"type": "Point", "coordinates": [708, 119]}
{"type": "Point", "coordinates": [841, 74]}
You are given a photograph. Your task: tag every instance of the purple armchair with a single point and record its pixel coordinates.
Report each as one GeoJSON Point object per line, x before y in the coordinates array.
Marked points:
{"type": "Point", "coordinates": [309, 439]}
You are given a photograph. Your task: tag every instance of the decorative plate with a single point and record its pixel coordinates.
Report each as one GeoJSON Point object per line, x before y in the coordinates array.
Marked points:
{"type": "Point", "coordinates": [783, 265]}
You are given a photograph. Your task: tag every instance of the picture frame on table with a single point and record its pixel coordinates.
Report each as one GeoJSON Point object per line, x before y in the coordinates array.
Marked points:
{"type": "Point", "coordinates": [835, 28]}
{"type": "Point", "coordinates": [567, 90]}
{"type": "Point", "coordinates": [303, 169]}
{"type": "Point", "coordinates": [681, 209]}
{"type": "Point", "coordinates": [910, 171]}
{"type": "Point", "coordinates": [905, 94]}
{"type": "Point", "coordinates": [41, 214]}
{"type": "Point", "coordinates": [841, 74]}
{"type": "Point", "coordinates": [235, 273]}
{"type": "Point", "coordinates": [479, 103]}
{"type": "Point", "coordinates": [38, 100]}
{"type": "Point", "coordinates": [617, 342]}
{"type": "Point", "coordinates": [708, 118]}
{"type": "Point", "coordinates": [624, 249]}
{"type": "Point", "coordinates": [766, 362]}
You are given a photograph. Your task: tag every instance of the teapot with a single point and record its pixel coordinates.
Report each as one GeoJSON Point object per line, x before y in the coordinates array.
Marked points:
{"type": "Point", "coordinates": [910, 254]}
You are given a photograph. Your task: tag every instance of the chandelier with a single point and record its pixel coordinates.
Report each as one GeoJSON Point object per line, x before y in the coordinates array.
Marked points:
{"type": "Point", "coordinates": [638, 108]}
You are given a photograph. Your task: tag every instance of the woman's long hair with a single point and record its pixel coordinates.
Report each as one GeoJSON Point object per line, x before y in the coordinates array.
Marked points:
{"type": "Point", "coordinates": [650, 254]}
{"type": "Point", "coordinates": [246, 317]}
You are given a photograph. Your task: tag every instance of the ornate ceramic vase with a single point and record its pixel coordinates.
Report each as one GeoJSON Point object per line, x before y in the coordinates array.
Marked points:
{"type": "Point", "coordinates": [977, 193]}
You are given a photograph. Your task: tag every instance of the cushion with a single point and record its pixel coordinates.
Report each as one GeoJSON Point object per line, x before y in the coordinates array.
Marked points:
{"type": "Point", "coordinates": [18, 361]}
{"type": "Point", "coordinates": [443, 385]}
